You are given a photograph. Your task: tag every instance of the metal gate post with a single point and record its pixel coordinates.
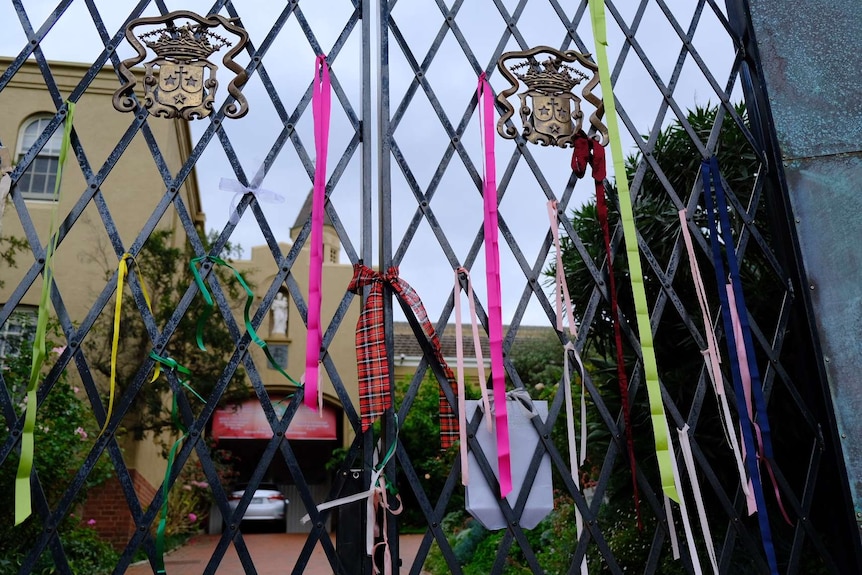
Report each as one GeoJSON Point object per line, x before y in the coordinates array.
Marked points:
{"type": "Point", "coordinates": [805, 58]}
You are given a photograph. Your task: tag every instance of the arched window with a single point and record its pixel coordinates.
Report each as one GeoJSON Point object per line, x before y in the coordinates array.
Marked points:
{"type": "Point", "coordinates": [39, 179]}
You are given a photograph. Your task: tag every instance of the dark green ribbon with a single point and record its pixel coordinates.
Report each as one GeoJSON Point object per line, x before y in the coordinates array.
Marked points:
{"type": "Point", "coordinates": [199, 335]}
{"type": "Point", "coordinates": [183, 376]}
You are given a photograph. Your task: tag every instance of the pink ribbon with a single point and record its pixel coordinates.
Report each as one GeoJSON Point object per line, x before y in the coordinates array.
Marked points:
{"type": "Point", "coordinates": [485, 102]}
{"type": "Point", "coordinates": [745, 375]}
{"type": "Point", "coordinates": [564, 305]}
{"type": "Point", "coordinates": [320, 108]}
{"type": "Point", "coordinates": [712, 358]}
{"type": "Point", "coordinates": [480, 367]}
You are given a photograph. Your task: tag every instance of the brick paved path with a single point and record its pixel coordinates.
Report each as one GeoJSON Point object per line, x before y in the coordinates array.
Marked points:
{"type": "Point", "coordinates": [272, 553]}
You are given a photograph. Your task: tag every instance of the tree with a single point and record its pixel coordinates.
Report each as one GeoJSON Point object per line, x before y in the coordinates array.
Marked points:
{"type": "Point", "coordinates": [165, 271]}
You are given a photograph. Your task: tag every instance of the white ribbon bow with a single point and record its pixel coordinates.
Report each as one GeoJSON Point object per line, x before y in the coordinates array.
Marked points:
{"type": "Point", "coordinates": [239, 190]}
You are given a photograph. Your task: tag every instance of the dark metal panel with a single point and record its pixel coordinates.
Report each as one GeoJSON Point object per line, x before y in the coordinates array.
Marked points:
{"type": "Point", "coordinates": [827, 203]}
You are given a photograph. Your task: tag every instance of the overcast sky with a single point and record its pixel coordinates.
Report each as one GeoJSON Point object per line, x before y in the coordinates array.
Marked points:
{"type": "Point", "coordinates": [420, 136]}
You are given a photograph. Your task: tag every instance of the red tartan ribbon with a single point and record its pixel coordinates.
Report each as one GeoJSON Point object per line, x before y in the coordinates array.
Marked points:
{"type": "Point", "coordinates": [375, 381]}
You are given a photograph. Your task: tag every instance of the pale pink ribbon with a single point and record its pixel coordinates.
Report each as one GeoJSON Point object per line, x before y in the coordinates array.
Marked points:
{"type": "Point", "coordinates": [320, 108]}
{"type": "Point", "coordinates": [712, 358]}
{"type": "Point", "coordinates": [480, 367]}
{"type": "Point", "coordinates": [492, 272]}
{"type": "Point", "coordinates": [564, 302]}
{"type": "Point", "coordinates": [745, 375]}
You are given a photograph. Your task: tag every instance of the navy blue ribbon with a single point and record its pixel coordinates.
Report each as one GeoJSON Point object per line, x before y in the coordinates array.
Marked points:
{"type": "Point", "coordinates": [712, 180]}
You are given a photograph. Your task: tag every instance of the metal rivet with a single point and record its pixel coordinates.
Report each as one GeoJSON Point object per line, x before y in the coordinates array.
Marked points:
{"type": "Point", "coordinates": [319, 525]}
{"type": "Point", "coordinates": [256, 58]}
{"type": "Point", "coordinates": [470, 435]}
{"type": "Point", "coordinates": [424, 204]}
{"type": "Point", "coordinates": [811, 287]}
{"type": "Point", "coordinates": [140, 116]}
{"type": "Point", "coordinates": [194, 433]}
{"type": "Point", "coordinates": [142, 528]}
{"type": "Point", "coordinates": [93, 186]}
{"type": "Point", "coordinates": [172, 189]}
{"type": "Point", "coordinates": [515, 523]}
{"type": "Point", "coordinates": [242, 347]}
{"type": "Point", "coordinates": [448, 19]}
{"type": "Point", "coordinates": [826, 359]}
{"type": "Point", "coordinates": [434, 525]}
{"type": "Point", "coordinates": [41, 260]}
{"type": "Point", "coordinates": [33, 42]}
{"type": "Point", "coordinates": [289, 126]}
{"type": "Point", "coordinates": [49, 529]}
{"type": "Point", "coordinates": [455, 139]}
{"type": "Point", "coordinates": [798, 220]}
{"type": "Point", "coordinates": [545, 435]}
{"type": "Point", "coordinates": [419, 74]}
{"type": "Point", "coordinates": [233, 526]}
{"type": "Point", "coordinates": [280, 433]}
{"type": "Point", "coordinates": [285, 268]}
{"type": "Point", "coordinates": [16, 433]}
{"type": "Point", "coordinates": [110, 48]}
{"type": "Point", "coordinates": [73, 343]}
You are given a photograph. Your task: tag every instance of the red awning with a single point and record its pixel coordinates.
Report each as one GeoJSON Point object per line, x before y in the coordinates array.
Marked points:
{"type": "Point", "coordinates": [247, 421]}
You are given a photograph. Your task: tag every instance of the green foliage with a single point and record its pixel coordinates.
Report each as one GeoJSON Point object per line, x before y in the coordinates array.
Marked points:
{"type": "Point", "coordinates": [165, 270]}
{"type": "Point", "coordinates": [191, 498]}
{"type": "Point", "coordinates": [9, 248]}
{"type": "Point", "coordinates": [65, 432]}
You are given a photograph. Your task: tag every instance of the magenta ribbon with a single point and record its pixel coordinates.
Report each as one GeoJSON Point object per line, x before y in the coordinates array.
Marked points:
{"type": "Point", "coordinates": [321, 97]}
{"type": "Point", "coordinates": [492, 272]}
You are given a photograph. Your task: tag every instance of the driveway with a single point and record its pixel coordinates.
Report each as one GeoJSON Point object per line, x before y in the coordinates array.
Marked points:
{"type": "Point", "coordinates": [272, 553]}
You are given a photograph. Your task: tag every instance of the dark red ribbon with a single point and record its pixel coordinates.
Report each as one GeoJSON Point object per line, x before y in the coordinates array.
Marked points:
{"type": "Point", "coordinates": [375, 382]}
{"type": "Point", "coordinates": [589, 151]}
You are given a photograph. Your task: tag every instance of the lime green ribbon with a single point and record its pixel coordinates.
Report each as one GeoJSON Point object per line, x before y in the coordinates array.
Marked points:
{"type": "Point", "coordinates": [663, 446]}
{"type": "Point", "coordinates": [248, 303]}
{"type": "Point", "coordinates": [390, 487]}
{"type": "Point", "coordinates": [23, 505]}
{"type": "Point", "coordinates": [183, 376]}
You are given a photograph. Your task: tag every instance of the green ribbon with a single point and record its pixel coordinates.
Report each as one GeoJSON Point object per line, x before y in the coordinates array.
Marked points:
{"type": "Point", "coordinates": [390, 487]}
{"type": "Point", "coordinates": [183, 376]}
{"type": "Point", "coordinates": [248, 302]}
{"type": "Point", "coordinates": [663, 446]}
{"type": "Point", "coordinates": [23, 505]}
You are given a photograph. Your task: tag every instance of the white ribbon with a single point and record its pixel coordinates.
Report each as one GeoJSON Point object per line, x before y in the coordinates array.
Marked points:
{"type": "Point", "coordinates": [688, 457]}
{"type": "Point", "coordinates": [5, 179]}
{"type": "Point", "coordinates": [239, 190]}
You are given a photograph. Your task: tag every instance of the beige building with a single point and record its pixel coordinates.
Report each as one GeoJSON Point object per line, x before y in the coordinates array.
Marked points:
{"type": "Point", "coordinates": [132, 191]}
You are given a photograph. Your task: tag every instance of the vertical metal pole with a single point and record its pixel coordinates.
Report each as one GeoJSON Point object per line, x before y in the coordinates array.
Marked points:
{"type": "Point", "coordinates": [385, 249]}
{"type": "Point", "coordinates": [791, 66]}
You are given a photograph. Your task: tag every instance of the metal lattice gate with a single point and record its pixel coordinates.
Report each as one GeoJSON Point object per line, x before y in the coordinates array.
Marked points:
{"type": "Point", "coordinates": [424, 161]}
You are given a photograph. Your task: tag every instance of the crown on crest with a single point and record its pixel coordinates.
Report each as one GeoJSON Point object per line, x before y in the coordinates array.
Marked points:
{"type": "Point", "coordinates": [184, 42]}
{"type": "Point", "coordinates": [550, 76]}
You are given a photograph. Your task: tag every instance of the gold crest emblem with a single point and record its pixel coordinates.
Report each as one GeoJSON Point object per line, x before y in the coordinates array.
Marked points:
{"type": "Point", "coordinates": [180, 82]}
{"type": "Point", "coordinates": [550, 112]}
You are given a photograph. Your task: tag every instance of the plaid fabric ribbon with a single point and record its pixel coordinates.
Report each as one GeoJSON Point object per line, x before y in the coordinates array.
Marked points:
{"type": "Point", "coordinates": [372, 362]}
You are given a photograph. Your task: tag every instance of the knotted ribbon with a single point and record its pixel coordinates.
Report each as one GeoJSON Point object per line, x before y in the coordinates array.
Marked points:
{"type": "Point", "coordinates": [239, 190]}
{"type": "Point", "coordinates": [375, 382]}
{"type": "Point", "coordinates": [720, 232]}
{"type": "Point", "coordinates": [661, 432]}
{"type": "Point", "coordinates": [564, 302]}
{"type": "Point", "coordinates": [249, 299]}
{"type": "Point", "coordinates": [480, 367]}
{"type": "Point", "coordinates": [485, 102]}
{"type": "Point", "coordinates": [320, 107]}
{"type": "Point", "coordinates": [183, 376]}
{"type": "Point", "coordinates": [589, 151]}
{"type": "Point", "coordinates": [25, 463]}
{"type": "Point", "coordinates": [122, 271]}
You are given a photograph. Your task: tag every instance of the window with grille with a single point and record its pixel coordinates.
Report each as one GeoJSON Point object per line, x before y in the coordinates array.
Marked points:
{"type": "Point", "coordinates": [39, 179]}
{"type": "Point", "coordinates": [17, 331]}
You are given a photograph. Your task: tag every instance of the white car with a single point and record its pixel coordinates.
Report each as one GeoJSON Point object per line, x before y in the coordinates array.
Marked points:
{"type": "Point", "coordinates": [267, 504]}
